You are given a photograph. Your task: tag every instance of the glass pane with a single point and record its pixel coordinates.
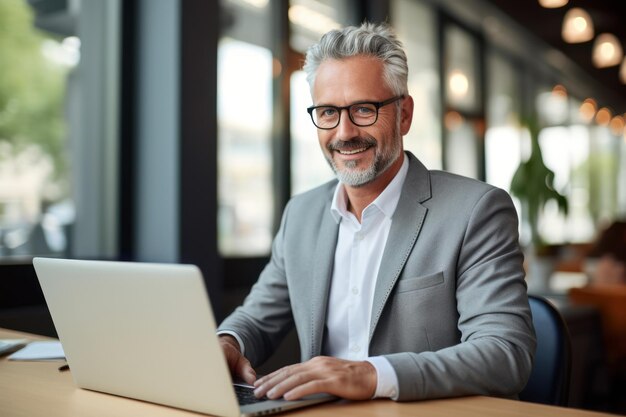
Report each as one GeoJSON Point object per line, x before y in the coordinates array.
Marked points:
{"type": "Point", "coordinates": [462, 69]}
{"type": "Point", "coordinates": [580, 224]}
{"type": "Point", "coordinates": [503, 87]}
{"type": "Point", "coordinates": [464, 129]}
{"type": "Point", "coordinates": [415, 25]}
{"type": "Point", "coordinates": [36, 208]}
{"type": "Point", "coordinates": [621, 178]}
{"type": "Point", "coordinates": [244, 131]}
{"type": "Point", "coordinates": [553, 106]}
{"type": "Point", "coordinates": [308, 166]}
{"type": "Point", "coordinates": [604, 164]}
{"type": "Point", "coordinates": [461, 151]}
{"type": "Point", "coordinates": [310, 19]}
{"type": "Point", "coordinates": [244, 99]}
{"type": "Point", "coordinates": [565, 151]}
{"type": "Point", "coordinates": [502, 138]}
{"type": "Point", "coordinates": [502, 154]}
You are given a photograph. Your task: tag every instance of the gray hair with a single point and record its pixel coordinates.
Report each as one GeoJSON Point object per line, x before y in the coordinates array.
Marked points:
{"type": "Point", "coordinates": [369, 39]}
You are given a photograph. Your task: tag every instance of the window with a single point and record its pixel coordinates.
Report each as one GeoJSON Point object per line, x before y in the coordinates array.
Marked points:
{"type": "Point", "coordinates": [503, 135]}
{"type": "Point", "coordinates": [308, 21]}
{"type": "Point", "coordinates": [605, 150]}
{"type": "Point", "coordinates": [416, 28]}
{"type": "Point", "coordinates": [566, 152]}
{"type": "Point", "coordinates": [36, 205]}
{"type": "Point", "coordinates": [309, 167]}
{"type": "Point", "coordinates": [245, 65]}
{"type": "Point", "coordinates": [463, 118]}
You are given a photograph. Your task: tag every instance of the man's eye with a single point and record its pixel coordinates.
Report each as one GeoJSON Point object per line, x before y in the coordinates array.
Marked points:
{"type": "Point", "coordinates": [328, 112]}
{"type": "Point", "coordinates": [363, 110]}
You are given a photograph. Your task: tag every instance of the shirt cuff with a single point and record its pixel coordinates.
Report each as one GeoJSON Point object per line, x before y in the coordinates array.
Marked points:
{"type": "Point", "coordinates": [242, 348]}
{"type": "Point", "coordinates": [387, 383]}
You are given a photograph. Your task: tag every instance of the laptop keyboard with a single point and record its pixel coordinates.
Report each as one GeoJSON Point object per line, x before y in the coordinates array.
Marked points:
{"type": "Point", "coordinates": [245, 395]}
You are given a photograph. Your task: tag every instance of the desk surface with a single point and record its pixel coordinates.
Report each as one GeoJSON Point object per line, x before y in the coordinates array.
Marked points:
{"type": "Point", "coordinates": [39, 389]}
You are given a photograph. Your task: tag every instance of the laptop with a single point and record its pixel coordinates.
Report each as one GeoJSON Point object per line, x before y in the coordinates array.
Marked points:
{"type": "Point", "coordinates": [145, 331]}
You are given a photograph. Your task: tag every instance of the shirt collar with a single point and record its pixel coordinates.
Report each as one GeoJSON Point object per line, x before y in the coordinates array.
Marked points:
{"type": "Point", "coordinates": [386, 202]}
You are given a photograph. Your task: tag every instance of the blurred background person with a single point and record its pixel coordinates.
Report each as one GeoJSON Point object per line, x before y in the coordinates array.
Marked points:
{"type": "Point", "coordinates": [606, 264]}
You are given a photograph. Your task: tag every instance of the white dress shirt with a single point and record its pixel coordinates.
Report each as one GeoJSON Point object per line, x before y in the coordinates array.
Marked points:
{"type": "Point", "coordinates": [358, 256]}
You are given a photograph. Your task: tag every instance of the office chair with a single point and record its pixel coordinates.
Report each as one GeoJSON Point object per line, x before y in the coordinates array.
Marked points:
{"type": "Point", "coordinates": [550, 377]}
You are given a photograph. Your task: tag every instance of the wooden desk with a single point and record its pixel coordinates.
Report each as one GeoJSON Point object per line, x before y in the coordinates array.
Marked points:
{"type": "Point", "coordinates": [38, 389]}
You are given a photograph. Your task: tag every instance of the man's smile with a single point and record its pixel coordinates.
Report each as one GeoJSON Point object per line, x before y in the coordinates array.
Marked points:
{"type": "Point", "coordinates": [352, 151]}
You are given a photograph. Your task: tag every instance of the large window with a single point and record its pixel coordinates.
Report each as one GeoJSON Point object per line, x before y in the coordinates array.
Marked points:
{"type": "Point", "coordinates": [503, 134]}
{"type": "Point", "coordinates": [308, 21]}
{"type": "Point", "coordinates": [463, 119]}
{"type": "Point", "coordinates": [472, 97]}
{"type": "Point", "coordinates": [245, 72]}
{"type": "Point", "coordinates": [309, 168]}
{"type": "Point", "coordinates": [36, 205]}
{"type": "Point", "coordinates": [415, 23]}
{"type": "Point", "coordinates": [59, 130]}
{"type": "Point", "coordinates": [245, 117]}
{"type": "Point", "coordinates": [566, 152]}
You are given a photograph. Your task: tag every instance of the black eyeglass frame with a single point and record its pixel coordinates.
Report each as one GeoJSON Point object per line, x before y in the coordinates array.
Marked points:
{"type": "Point", "coordinates": [339, 109]}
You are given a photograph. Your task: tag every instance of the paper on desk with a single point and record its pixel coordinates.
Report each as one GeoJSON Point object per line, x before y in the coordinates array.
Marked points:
{"type": "Point", "coordinates": [39, 351]}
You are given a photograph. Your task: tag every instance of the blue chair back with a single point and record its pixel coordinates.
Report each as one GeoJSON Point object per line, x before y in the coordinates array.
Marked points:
{"type": "Point", "coordinates": [550, 377]}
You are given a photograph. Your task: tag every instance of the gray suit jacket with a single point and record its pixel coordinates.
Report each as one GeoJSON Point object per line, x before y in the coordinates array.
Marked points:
{"type": "Point", "coordinates": [450, 308]}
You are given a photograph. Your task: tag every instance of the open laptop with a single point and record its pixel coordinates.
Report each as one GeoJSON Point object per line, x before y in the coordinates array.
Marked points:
{"type": "Point", "coordinates": [144, 331]}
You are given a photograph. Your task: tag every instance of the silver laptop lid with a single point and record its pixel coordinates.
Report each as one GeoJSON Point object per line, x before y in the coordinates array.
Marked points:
{"type": "Point", "coordinates": [139, 330]}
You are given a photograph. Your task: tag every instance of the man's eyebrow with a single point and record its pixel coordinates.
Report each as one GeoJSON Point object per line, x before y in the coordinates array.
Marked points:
{"type": "Point", "coordinates": [350, 104]}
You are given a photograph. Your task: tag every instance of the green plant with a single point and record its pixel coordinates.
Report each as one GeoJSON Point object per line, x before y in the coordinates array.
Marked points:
{"type": "Point", "coordinates": [533, 185]}
{"type": "Point", "coordinates": [32, 89]}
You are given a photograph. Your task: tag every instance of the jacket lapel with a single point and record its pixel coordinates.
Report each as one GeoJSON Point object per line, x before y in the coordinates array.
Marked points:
{"type": "Point", "coordinates": [405, 228]}
{"type": "Point", "coordinates": [324, 257]}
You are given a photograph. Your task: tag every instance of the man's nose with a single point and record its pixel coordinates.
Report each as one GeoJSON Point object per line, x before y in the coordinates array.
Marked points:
{"type": "Point", "coordinates": [346, 130]}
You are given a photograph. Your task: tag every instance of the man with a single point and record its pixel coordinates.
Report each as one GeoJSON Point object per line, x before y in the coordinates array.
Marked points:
{"type": "Point", "coordinates": [409, 282]}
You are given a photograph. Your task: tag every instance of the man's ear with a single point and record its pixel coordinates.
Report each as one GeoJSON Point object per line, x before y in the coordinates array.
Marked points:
{"type": "Point", "coordinates": [406, 115]}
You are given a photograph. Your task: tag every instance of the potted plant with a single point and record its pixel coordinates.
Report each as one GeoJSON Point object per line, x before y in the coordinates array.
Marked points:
{"type": "Point", "coordinates": [533, 185]}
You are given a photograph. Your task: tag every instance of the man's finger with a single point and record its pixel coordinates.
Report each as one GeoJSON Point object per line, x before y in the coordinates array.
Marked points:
{"type": "Point", "coordinates": [346, 379]}
{"type": "Point", "coordinates": [311, 387]}
{"type": "Point", "coordinates": [245, 370]}
{"type": "Point", "coordinates": [278, 387]}
{"type": "Point", "coordinates": [238, 364]}
{"type": "Point", "coordinates": [268, 382]}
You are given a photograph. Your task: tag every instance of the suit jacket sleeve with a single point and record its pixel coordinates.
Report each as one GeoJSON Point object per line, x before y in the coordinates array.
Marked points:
{"type": "Point", "coordinates": [265, 316]}
{"type": "Point", "coordinates": [494, 356]}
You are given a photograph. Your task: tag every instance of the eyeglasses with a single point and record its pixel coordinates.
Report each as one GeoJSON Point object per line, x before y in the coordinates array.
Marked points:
{"type": "Point", "coordinates": [362, 114]}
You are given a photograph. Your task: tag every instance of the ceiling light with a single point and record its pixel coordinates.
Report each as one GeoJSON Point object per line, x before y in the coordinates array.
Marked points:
{"type": "Point", "coordinates": [559, 91]}
{"type": "Point", "coordinates": [603, 116]}
{"type": "Point", "coordinates": [458, 83]}
{"type": "Point", "coordinates": [588, 109]}
{"type": "Point", "coordinates": [617, 125]}
{"type": "Point", "coordinates": [607, 51]}
{"type": "Point", "coordinates": [453, 120]}
{"type": "Point", "coordinates": [577, 26]}
{"type": "Point", "coordinates": [311, 19]}
{"type": "Point", "coordinates": [552, 4]}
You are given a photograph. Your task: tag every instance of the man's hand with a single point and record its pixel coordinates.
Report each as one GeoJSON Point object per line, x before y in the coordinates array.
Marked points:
{"type": "Point", "coordinates": [342, 378]}
{"type": "Point", "coordinates": [237, 363]}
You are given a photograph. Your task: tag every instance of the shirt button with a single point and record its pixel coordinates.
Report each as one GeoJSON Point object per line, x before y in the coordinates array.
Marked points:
{"type": "Point", "coordinates": [355, 291]}
{"type": "Point", "coordinates": [356, 348]}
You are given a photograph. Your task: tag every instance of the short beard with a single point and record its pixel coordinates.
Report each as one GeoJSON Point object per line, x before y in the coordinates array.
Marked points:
{"type": "Point", "coordinates": [357, 178]}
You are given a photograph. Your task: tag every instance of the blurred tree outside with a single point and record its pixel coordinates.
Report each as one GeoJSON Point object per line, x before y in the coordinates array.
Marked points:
{"type": "Point", "coordinates": [31, 86]}
{"type": "Point", "coordinates": [32, 98]}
